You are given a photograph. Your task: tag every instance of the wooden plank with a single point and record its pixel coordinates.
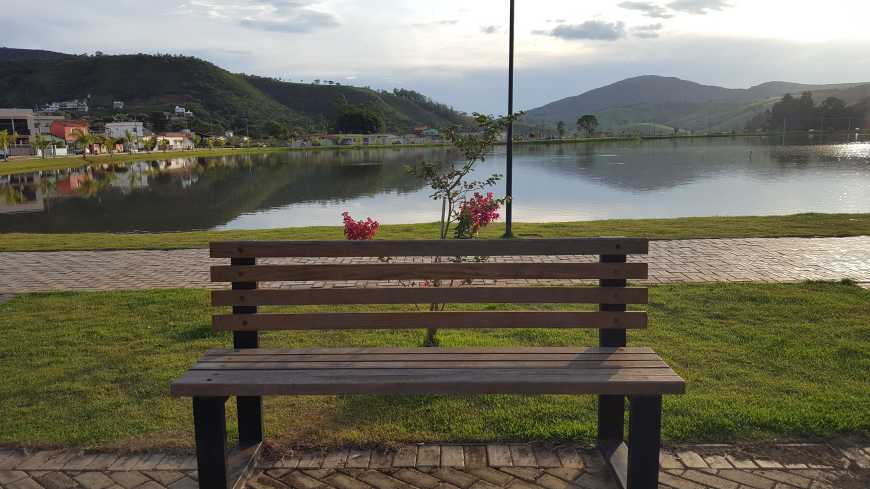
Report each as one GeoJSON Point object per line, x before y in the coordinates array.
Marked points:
{"type": "Point", "coordinates": [377, 248]}
{"type": "Point", "coordinates": [292, 365]}
{"type": "Point", "coordinates": [429, 295]}
{"type": "Point", "coordinates": [425, 357]}
{"type": "Point", "coordinates": [421, 320]}
{"type": "Point", "coordinates": [433, 381]}
{"type": "Point", "coordinates": [626, 350]}
{"type": "Point", "coordinates": [434, 271]}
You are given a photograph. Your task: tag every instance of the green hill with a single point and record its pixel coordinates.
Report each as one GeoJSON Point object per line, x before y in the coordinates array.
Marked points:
{"type": "Point", "coordinates": [219, 99]}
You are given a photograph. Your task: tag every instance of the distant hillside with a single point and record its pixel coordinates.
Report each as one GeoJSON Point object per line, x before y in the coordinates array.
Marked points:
{"type": "Point", "coordinates": [676, 103]}
{"type": "Point", "coordinates": [219, 99]}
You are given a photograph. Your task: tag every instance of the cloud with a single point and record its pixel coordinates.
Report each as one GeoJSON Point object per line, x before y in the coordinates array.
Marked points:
{"type": "Point", "coordinates": [490, 29]}
{"type": "Point", "coordinates": [594, 30]}
{"type": "Point", "coordinates": [698, 7]}
{"type": "Point", "coordinates": [648, 9]}
{"type": "Point", "coordinates": [649, 31]}
{"type": "Point", "coordinates": [288, 16]}
{"type": "Point", "coordinates": [436, 23]}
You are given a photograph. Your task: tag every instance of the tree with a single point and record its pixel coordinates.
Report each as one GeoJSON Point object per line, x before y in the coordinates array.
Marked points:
{"type": "Point", "coordinates": [561, 128]}
{"type": "Point", "coordinates": [164, 145]}
{"type": "Point", "coordinates": [587, 123]}
{"type": "Point", "coordinates": [130, 139]}
{"type": "Point", "coordinates": [150, 143]}
{"type": "Point", "coordinates": [40, 143]}
{"type": "Point", "coordinates": [355, 119]}
{"type": "Point", "coordinates": [449, 185]}
{"type": "Point", "coordinates": [109, 142]}
{"type": "Point", "coordinates": [5, 142]}
{"type": "Point", "coordinates": [85, 140]}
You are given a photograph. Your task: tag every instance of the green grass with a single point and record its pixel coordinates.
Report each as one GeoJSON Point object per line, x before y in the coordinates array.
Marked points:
{"type": "Point", "coordinates": [762, 361]}
{"type": "Point", "coordinates": [799, 225]}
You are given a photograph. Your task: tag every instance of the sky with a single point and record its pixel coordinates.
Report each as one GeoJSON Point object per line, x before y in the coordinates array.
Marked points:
{"type": "Point", "coordinates": [455, 51]}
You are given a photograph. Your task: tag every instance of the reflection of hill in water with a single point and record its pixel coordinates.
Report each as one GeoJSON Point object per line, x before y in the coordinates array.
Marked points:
{"type": "Point", "coordinates": [211, 192]}
{"type": "Point", "coordinates": [660, 165]}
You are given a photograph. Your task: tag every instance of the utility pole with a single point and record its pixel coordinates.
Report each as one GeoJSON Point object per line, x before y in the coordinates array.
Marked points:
{"type": "Point", "coordinates": [509, 173]}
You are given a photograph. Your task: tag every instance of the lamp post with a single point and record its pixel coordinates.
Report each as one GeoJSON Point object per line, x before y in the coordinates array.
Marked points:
{"type": "Point", "coordinates": [509, 170]}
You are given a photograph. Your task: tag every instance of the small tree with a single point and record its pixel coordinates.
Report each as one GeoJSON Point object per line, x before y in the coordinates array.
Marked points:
{"type": "Point", "coordinates": [85, 140]}
{"type": "Point", "coordinates": [561, 128]}
{"type": "Point", "coordinates": [130, 140]}
{"type": "Point", "coordinates": [587, 123]}
{"type": "Point", "coordinates": [5, 139]}
{"type": "Point", "coordinates": [109, 142]}
{"type": "Point", "coordinates": [164, 145]}
{"type": "Point", "coordinates": [40, 143]}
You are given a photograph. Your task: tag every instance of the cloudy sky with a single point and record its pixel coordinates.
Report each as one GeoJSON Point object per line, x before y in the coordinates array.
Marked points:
{"type": "Point", "coordinates": [456, 50]}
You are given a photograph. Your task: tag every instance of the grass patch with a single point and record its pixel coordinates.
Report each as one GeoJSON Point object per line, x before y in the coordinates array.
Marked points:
{"type": "Point", "coordinates": [798, 225]}
{"type": "Point", "coordinates": [93, 369]}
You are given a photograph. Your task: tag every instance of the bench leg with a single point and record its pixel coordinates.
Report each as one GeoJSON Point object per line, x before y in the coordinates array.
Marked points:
{"type": "Point", "coordinates": [250, 420]}
{"type": "Point", "coordinates": [611, 420]}
{"type": "Point", "coordinates": [210, 426]}
{"type": "Point", "coordinates": [644, 442]}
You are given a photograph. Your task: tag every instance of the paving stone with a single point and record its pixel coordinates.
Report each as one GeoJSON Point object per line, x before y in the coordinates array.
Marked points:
{"type": "Point", "coordinates": [36, 460]}
{"type": "Point", "coordinates": [748, 479]}
{"type": "Point", "coordinates": [10, 459]}
{"type": "Point", "coordinates": [668, 461]}
{"type": "Point", "coordinates": [359, 458]}
{"type": "Point", "coordinates": [312, 460]}
{"type": "Point", "coordinates": [452, 456]}
{"type": "Point", "coordinates": [492, 475]}
{"type": "Point", "coordinates": [551, 482]}
{"type": "Point", "coordinates": [788, 478]}
{"type": "Point", "coordinates": [499, 455]}
{"type": "Point", "coordinates": [406, 456]}
{"type": "Point", "coordinates": [381, 459]}
{"type": "Point", "coordinates": [57, 480]}
{"type": "Point", "coordinates": [416, 478]}
{"type": "Point", "coordinates": [298, 480]}
{"type": "Point", "coordinates": [527, 473]}
{"type": "Point", "coordinates": [263, 482]}
{"type": "Point", "coordinates": [678, 482]}
{"type": "Point", "coordinates": [482, 484]}
{"type": "Point", "coordinates": [861, 459]}
{"type": "Point", "coordinates": [7, 476]}
{"type": "Point", "coordinates": [456, 477]}
{"type": "Point", "coordinates": [570, 458]}
{"type": "Point", "coordinates": [342, 481]}
{"type": "Point", "coordinates": [185, 483]}
{"type": "Point", "coordinates": [709, 480]}
{"type": "Point", "coordinates": [546, 457]}
{"type": "Point", "coordinates": [523, 456]}
{"type": "Point", "coordinates": [521, 484]}
{"type": "Point", "coordinates": [26, 483]}
{"type": "Point", "coordinates": [717, 462]}
{"type": "Point", "coordinates": [565, 473]}
{"type": "Point", "coordinates": [335, 458]}
{"type": "Point", "coordinates": [767, 464]}
{"type": "Point", "coordinates": [128, 479]}
{"type": "Point", "coordinates": [151, 485]}
{"type": "Point", "coordinates": [475, 456]}
{"type": "Point", "coordinates": [277, 473]}
{"type": "Point", "coordinates": [692, 460]}
{"type": "Point", "coordinates": [741, 463]}
{"type": "Point", "coordinates": [94, 480]}
{"type": "Point", "coordinates": [102, 461]}
{"type": "Point", "coordinates": [380, 480]}
{"type": "Point", "coordinates": [428, 455]}
{"type": "Point", "coordinates": [164, 477]}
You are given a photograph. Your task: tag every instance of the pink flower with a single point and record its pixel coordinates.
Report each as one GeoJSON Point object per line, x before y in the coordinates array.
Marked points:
{"type": "Point", "coordinates": [359, 230]}
{"type": "Point", "coordinates": [480, 211]}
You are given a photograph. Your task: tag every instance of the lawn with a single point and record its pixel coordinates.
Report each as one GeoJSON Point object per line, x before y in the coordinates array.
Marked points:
{"type": "Point", "coordinates": [93, 370]}
{"type": "Point", "coordinates": [798, 225]}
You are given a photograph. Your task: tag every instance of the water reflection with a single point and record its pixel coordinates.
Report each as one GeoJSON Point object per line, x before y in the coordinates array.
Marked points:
{"type": "Point", "coordinates": [727, 176]}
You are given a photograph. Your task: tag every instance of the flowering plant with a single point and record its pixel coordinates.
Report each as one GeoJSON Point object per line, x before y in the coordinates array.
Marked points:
{"type": "Point", "coordinates": [475, 213]}
{"type": "Point", "coordinates": [359, 230]}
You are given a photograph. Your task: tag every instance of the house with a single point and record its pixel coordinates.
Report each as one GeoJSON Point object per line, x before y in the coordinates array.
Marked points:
{"type": "Point", "coordinates": [74, 105]}
{"type": "Point", "coordinates": [42, 123]}
{"type": "Point", "coordinates": [67, 130]}
{"type": "Point", "coordinates": [182, 112]}
{"type": "Point", "coordinates": [118, 105]}
{"type": "Point", "coordinates": [118, 130]}
{"type": "Point", "coordinates": [176, 140]}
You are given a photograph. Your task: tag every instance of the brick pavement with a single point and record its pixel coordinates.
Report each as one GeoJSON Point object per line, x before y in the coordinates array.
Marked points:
{"type": "Point", "coordinates": [515, 466]}
{"type": "Point", "coordinates": [722, 260]}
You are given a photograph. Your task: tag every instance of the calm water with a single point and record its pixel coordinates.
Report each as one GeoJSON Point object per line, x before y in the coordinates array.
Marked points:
{"type": "Point", "coordinates": [699, 177]}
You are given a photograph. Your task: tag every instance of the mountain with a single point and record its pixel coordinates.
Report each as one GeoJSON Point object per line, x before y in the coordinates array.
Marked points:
{"type": "Point", "coordinates": [218, 98]}
{"type": "Point", "coordinates": [678, 103]}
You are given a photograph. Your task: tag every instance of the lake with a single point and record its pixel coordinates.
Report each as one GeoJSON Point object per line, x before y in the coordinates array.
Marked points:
{"type": "Point", "coordinates": [552, 182]}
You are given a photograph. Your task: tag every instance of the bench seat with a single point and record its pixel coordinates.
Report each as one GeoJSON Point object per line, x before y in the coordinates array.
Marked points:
{"type": "Point", "coordinates": [541, 370]}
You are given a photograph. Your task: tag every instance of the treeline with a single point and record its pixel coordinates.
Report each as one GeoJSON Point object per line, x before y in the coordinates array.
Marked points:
{"type": "Point", "coordinates": [803, 114]}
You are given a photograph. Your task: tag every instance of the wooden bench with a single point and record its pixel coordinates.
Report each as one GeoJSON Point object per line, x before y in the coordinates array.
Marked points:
{"type": "Point", "coordinates": [612, 371]}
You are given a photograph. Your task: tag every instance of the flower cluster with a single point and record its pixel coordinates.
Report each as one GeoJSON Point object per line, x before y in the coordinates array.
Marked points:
{"type": "Point", "coordinates": [475, 213]}
{"type": "Point", "coordinates": [359, 230]}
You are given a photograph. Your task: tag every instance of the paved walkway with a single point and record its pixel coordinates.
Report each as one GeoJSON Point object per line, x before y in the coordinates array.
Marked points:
{"type": "Point", "coordinates": [520, 466]}
{"type": "Point", "coordinates": [723, 260]}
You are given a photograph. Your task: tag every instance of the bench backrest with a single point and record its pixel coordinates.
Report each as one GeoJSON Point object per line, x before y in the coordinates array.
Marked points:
{"type": "Point", "coordinates": [313, 262]}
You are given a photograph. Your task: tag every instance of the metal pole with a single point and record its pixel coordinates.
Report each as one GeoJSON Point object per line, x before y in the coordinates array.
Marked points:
{"type": "Point", "coordinates": [509, 174]}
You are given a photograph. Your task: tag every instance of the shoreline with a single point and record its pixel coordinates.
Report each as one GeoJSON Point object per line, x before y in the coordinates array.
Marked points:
{"type": "Point", "coordinates": [789, 226]}
{"type": "Point", "coordinates": [33, 164]}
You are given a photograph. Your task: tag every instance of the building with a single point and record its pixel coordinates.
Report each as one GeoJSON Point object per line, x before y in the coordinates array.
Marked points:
{"type": "Point", "coordinates": [176, 140]}
{"type": "Point", "coordinates": [18, 121]}
{"type": "Point", "coordinates": [67, 130]}
{"type": "Point", "coordinates": [42, 123]}
{"type": "Point", "coordinates": [118, 105]}
{"type": "Point", "coordinates": [119, 130]}
{"type": "Point", "coordinates": [74, 105]}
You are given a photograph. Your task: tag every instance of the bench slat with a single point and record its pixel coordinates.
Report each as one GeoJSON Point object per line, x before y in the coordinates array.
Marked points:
{"type": "Point", "coordinates": [519, 350]}
{"type": "Point", "coordinates": [433, 271]}
{"type": "Point", "coordinates": [649, 381]}
{"type": "Point", "coordinates": [207, 364]}
{"type": "Point", "coordinates": [395, 295]}
{"type": "Point", "coordinates": [422, 320]}
{"type": "Point", "coordinates": [378, 248]}
{"type": "Point", "coordinates": [424, 357]}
